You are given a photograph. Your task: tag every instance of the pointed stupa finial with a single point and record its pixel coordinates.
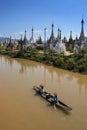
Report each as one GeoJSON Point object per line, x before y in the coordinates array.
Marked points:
{"type": "Point", "coordinates": [25, 35]}
{"type": "Point", "coordinates": [21, 37]}
{"type": "Point", "coordinates": [60, 34]}
{"type": "Point", "coordinates": [32, 34]}
{"type": "Point", "coordinates": [82, 36]}
{"type": "Point", "coordinates": [82, 21]}
{"type": "Point", "coordinates": [52, 34]}
{"type": "Point", "coordinates": [10, 39]}
{"type": "Point", "coordinates": [70, 34]}
{"type": "Point", "coordinates": [32, 29]}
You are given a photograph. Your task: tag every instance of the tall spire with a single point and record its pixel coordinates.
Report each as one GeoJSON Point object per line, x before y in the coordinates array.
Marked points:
{"type": "Point", "coordinates": [52, 34]}
{"type": "Point", "coordinates": [32, 36]}
{"type": "Point", "coordinates": [25, 38]}
{"type": "Point", "coordinates": [51, 40]}
{"type": "Point", "coordinates": [25, 35]}
{"type": "Point", "coordinates": [81, 38]}
{"type": "Point", "coordinates": [10, 39]}
{"type": "Point", "coordinates": [70, 34]}
{"type": "Point", "coordinates": [70, 39]}
{"type": "Point", "coordinates": [45, 35]}
{"type": "Point", "coordinates": [32, 32]}
{"type": "Point", "coordinates": [21, 37]}
{"type": "Point", "coordinates": [58, 33]}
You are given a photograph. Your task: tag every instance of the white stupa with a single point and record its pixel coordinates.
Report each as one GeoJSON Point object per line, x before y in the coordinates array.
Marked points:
{"type": "Point", "coordinates": [59, 45]}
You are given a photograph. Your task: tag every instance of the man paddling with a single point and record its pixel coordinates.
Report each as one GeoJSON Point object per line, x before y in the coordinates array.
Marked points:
{"type": "Point", "coordinates": [42, 91]}
{"type": "Point", "coordinates": [55, 100]}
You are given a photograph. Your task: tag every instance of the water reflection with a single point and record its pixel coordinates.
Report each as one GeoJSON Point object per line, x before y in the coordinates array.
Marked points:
{"type": "Point", "coordinates": [54, 74]}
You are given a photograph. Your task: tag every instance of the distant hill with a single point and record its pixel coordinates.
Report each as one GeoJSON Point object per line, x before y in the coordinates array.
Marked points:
{"type": "Point", "coordinates": [3, 39]}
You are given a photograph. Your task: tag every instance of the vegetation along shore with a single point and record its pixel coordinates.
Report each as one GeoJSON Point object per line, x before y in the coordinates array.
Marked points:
{"type": "Point", "coordinates": [73, 62]}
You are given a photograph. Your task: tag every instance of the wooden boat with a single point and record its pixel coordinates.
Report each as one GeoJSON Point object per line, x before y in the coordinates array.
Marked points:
{"type": "Point", "coordinates": [49, 97]}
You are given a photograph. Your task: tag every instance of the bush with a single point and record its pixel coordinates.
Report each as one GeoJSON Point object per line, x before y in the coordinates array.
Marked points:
{"type": "Point", "coordinates": [59, 62]}
{"type": "Point", "coordinates": [19, 54]}
{"type": "Point", "coordinates": [70, 64]}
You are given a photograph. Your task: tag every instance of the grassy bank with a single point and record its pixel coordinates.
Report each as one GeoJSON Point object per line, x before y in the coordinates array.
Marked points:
{"type": "Point", "coordinates": [75, 63]}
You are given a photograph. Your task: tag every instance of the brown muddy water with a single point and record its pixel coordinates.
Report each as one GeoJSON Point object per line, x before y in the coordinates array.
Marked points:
{"type": "Point", "coordinates": [21, 109]}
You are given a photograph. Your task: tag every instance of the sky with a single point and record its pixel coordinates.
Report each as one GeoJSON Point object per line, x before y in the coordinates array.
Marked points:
{"type": "Point", "coordinates": [16, 16]}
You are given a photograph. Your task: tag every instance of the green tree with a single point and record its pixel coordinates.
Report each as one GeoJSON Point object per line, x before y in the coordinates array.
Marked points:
{"type": "Point", "coordinates": [81, 53]}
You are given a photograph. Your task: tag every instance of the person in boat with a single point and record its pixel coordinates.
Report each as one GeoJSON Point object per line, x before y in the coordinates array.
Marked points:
{"type": "Point", "coordinates": [41, 89]}
{"type": "Point", "coordinates": [55, 100]}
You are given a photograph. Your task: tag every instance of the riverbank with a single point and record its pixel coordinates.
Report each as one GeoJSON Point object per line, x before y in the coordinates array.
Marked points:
{"type": "Point", "coordinates": [73, 63]}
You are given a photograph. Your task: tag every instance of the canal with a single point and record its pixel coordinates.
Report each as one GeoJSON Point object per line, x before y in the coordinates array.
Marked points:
{"type": "Point", "coordinates": [21, 109]}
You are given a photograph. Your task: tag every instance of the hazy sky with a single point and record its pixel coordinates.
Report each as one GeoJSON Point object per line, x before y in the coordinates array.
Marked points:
{"type": "Point", "coordinates": [18, 15]}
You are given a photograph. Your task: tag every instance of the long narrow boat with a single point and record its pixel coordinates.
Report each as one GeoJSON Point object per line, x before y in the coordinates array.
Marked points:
{"type": "Point", "coordinates": [60, 104]}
